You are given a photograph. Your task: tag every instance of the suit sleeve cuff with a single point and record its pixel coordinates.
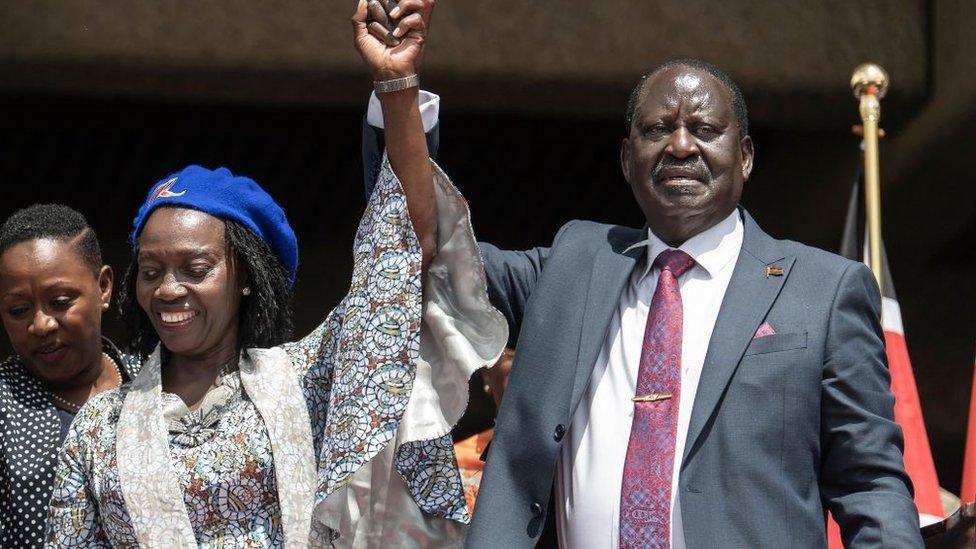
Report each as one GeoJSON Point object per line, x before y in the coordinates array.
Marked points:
{"type": "Point", "coordinates": [430, 105]}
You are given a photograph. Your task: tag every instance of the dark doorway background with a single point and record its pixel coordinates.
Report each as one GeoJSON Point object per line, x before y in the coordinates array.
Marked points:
{"type": "Point", "coordinates": [524, 176]}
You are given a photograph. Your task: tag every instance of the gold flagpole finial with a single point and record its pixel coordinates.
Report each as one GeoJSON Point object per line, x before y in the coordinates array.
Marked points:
{"type": "Point", "coordinates": [867, 75]}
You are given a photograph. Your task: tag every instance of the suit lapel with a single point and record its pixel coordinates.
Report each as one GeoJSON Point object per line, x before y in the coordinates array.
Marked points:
{"type": "Point", "coordinates": [750, 295]}
{"type": "Point", "coordinates": [611, 270]}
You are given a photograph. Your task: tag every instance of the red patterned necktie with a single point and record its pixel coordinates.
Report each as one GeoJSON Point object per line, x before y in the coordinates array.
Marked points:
{"type": "Point", "coordinates": [645, 493]}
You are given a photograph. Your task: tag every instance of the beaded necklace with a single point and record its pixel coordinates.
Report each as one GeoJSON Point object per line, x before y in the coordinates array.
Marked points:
{"type": "Point", "coordinates": [73, 407]}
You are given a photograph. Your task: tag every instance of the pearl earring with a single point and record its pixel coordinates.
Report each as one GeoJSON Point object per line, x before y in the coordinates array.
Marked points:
{"type": "Point", "coordinates": [246, 290]}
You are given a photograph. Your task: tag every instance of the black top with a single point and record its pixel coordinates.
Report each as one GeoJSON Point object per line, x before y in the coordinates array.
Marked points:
{"type": "Point", "coordinates": [31, 432]}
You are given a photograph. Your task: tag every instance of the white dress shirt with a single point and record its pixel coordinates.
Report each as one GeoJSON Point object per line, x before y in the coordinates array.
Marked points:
{"type": "Point", "coordinates": [430, 106]}
{"type": "Point", "coordinates": [591, 462]}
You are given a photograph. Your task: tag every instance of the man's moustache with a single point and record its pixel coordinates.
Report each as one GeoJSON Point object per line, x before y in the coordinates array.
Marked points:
{"type": "Point", "coordinates": [694, 166]}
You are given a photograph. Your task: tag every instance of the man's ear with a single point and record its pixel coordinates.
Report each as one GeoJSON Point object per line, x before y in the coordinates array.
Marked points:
{"type": "Point", "coordinates": [748, 155]}
{"type": "Point", "coordinates": [625, 158]}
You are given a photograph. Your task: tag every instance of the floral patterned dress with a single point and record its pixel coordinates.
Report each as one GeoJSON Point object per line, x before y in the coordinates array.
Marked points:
{"type": "Point", "coordinates": [339, 439]}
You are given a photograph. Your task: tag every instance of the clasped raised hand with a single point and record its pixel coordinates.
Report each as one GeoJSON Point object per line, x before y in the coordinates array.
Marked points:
{"type": "Point", "coordinates": [390, 35]}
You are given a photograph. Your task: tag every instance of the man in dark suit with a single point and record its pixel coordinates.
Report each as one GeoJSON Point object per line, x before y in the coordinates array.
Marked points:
{"type": "Point", "coordinates": [696, 383]}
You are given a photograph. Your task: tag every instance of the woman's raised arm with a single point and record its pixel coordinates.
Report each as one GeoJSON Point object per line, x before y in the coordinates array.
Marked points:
{"type": "Point", "coordinates": [393, 58]}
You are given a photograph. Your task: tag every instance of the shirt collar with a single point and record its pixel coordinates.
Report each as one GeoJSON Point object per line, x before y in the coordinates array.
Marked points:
{"type": "Point", "coordinates": [712, 249]}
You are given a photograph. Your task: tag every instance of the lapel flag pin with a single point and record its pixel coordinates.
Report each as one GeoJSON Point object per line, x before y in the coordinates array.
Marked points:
{"type": "Point", "coordinates": [773, 270]}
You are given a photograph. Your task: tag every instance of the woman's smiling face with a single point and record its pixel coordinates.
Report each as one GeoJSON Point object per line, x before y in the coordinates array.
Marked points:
{"type": "Point", "coordinates": [187, 283]}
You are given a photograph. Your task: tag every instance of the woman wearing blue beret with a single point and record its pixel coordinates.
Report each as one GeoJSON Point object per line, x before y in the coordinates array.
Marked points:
{"type": "Point", "coordinates": [232, 437]}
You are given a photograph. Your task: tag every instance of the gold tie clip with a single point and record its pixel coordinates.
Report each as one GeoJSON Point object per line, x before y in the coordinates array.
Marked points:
{"type": "Point", "coordinates": [653, 397]}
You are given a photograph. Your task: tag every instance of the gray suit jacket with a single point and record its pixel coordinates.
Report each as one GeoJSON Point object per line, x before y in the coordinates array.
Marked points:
{"type": "Point", "coordinates": [783, 428]}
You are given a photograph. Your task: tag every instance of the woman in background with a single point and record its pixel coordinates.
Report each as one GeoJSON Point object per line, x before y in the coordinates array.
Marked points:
{"type": "Point", "coordinates": [53, 292]}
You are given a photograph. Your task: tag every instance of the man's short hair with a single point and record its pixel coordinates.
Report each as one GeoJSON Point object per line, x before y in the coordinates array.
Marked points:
{"type": "Point", "coordinates": [738, 102]}
{"type": "Point", "coordinates": [54, 221]}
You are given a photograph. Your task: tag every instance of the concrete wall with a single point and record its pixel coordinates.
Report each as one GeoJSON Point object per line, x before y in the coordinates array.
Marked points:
{"type": "Point", "coordinates": [793, 58]}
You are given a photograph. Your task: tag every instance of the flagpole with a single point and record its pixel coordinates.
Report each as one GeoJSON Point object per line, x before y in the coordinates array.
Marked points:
{"type": "Point", "coordinates": [870, 83]}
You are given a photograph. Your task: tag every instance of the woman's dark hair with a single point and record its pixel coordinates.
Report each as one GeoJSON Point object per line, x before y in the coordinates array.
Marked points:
{"type": "Point", "coordinates": [265, 317]}
{"type": "Point", "coordinates": [55, 221]}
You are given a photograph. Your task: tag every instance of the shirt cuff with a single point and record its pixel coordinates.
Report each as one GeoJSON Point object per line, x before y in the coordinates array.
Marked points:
{"type": "Point", "coordinates": [430, 106]}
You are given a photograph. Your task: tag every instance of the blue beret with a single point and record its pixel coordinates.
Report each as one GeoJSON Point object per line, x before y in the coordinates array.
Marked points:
{"type": "Point", "coordinates": [225, 196]}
